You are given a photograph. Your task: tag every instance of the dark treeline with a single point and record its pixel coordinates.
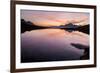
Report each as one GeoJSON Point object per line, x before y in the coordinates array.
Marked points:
{"type": "Point", "coordinates": [84, 29]}
{"type": "Point", "coordinates": [28, 26]}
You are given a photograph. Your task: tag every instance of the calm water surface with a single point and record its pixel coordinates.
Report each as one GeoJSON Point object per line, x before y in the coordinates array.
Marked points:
{"type": "Point", "coordinates": [51, 45]}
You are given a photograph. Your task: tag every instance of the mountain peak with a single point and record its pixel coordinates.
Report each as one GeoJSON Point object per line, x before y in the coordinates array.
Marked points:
{"type": "Point", "coordinates": [71, 25]}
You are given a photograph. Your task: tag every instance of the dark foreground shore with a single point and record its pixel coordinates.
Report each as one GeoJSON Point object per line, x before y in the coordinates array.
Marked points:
{"type": "Point", "coordinates": [85, 48]}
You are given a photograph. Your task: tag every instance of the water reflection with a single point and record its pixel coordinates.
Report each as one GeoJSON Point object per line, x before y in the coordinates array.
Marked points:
{"type": "Point", "coordinates": [52, 45]}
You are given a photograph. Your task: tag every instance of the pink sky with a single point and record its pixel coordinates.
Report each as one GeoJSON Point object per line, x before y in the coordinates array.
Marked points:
{"type": "Point", "coordinates": [53, 18]}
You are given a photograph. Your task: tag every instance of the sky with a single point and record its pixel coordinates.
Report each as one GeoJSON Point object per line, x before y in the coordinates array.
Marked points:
{"type": "Point", "coordinates": [55, 18]}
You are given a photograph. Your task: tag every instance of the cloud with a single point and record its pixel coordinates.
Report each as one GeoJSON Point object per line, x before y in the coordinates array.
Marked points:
{"type": "Point", "coordinates": [53, 18]}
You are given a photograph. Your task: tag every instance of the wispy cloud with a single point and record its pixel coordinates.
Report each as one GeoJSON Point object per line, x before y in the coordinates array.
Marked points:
{"type": "Point", "coordinates": [51, 18]}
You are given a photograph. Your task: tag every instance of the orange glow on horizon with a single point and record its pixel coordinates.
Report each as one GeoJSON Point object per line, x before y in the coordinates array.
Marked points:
{"type": "Point", "coordinates": [51, 18]}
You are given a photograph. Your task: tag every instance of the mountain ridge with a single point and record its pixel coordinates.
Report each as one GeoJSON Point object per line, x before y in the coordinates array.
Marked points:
{"type": "Point", "coordinates": [27, 26]}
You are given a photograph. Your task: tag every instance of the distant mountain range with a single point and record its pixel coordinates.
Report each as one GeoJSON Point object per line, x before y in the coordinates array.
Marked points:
{"type": "Point", "coordinates": [68, 26]}
{"type": "Point", "coordinates": [27, 26]}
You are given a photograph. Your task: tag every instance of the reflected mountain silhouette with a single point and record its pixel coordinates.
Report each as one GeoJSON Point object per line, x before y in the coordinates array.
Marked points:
{"type": "Point", "coordinates": [28, 26]}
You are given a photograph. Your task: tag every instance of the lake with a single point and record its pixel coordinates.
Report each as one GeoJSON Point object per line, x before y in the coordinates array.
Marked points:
{"type": "Point", "coordinates": [52, 45]}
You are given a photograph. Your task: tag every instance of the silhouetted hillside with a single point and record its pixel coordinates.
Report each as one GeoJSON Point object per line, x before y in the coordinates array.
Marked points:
{"type": "Point", "coordinates": [72, 27]}
{"type": "Point", "coordinates": [84, 29]}
{"type": "Point", "coordinates": [27, 26]}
